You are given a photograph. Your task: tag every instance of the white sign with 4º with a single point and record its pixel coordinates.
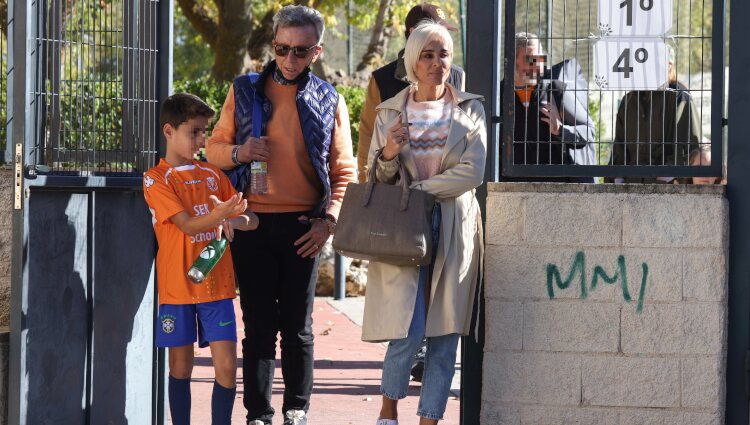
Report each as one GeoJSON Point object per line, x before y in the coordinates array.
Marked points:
{"type": "Point", "coordinates": [630, 64]}
{"type": "Point", "coordinates": [634, 17]}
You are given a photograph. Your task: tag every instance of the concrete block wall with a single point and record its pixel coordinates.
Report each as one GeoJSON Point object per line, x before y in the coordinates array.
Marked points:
{"type": "Point", "coordinates": [605, 304]}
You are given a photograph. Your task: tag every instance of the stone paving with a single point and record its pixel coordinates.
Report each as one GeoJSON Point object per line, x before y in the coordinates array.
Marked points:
{"type": "Point", "coordinates": [347, 376]}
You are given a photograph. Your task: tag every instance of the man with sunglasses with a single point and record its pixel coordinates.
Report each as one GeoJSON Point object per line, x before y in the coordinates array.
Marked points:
{"type": "Point", "coordinates": [305, 140]}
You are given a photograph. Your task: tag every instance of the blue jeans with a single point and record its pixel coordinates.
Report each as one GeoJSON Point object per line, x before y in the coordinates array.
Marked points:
{"type": "Point", "coordinates": [440, 359]}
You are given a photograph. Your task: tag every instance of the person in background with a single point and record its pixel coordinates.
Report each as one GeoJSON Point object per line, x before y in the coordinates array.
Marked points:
{"type": "Point", "coordinates": [656, 127]}
{"type": "Point", "coordinates": [549, 123]}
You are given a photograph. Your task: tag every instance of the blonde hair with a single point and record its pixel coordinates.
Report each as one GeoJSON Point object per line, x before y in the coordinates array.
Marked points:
{"type": "Point", "coordinates": [426, 31]}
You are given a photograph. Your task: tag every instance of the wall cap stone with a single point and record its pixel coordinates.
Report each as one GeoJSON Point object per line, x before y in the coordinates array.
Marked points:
{"type": "Point", "coordinates": [631, 188]}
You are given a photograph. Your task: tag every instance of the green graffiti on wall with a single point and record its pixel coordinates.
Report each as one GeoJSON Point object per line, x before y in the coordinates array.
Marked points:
{"type": "Point", "coordinates": [578, 269]}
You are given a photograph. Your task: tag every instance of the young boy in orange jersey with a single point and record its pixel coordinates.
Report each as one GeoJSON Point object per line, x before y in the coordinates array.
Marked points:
{"type": "Point", "coordinates": [191, 202]}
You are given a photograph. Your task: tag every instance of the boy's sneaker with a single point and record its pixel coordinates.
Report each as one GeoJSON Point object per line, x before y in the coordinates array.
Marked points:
{"type": "Point", "coordinates": [386, 422]}
{"type": "Point", "coordinates": [255, 422]}
{"type": "Point", "coordinates": [295, 417]}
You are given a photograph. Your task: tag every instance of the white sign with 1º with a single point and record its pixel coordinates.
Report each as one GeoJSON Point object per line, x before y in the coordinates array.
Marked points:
{"type": "Point", "coordinates": [634, 17]}
{"type": "Point", "coordinates": [630, 64]}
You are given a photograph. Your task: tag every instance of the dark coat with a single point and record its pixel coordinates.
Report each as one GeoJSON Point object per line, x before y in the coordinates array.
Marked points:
{"type": "Point", "coordinates": [533, 142]}
{"type": "Point", "coordinates": [658, 127]}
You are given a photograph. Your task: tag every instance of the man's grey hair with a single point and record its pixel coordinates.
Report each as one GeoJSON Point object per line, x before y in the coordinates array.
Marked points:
{"type": "Point", "coordinates": [299, 16]}
{"type": "Point", "coordinates": [527, 40]}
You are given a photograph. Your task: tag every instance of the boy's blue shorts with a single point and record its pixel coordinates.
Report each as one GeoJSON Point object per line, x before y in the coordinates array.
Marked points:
{"type": "Point", "coordinates": [177, 323]}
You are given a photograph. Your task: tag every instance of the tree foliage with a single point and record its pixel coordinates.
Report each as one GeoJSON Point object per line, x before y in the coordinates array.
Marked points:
{"type": "Point", "coordinates": [205, 19]}
{"type": "Point", "coordinates": [193, 58]}
{"type": "Point", "coordinates": [225, 26]}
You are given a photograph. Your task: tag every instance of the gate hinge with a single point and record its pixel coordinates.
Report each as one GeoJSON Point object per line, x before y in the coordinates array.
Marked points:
{"type": "Point", "coordinates": [18, 170]}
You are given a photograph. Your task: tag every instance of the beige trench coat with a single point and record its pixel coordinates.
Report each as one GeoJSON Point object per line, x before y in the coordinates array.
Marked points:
{"type": "Point", "coordinates": [392, 290]}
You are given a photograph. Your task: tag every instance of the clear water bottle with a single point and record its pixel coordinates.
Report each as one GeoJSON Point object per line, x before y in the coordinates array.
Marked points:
{"type": "Point", "coordinates": [207, 259]}
{"type": "Point", "coordinates": [258, 177]}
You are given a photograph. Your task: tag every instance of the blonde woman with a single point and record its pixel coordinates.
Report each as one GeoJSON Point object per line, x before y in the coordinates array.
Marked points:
{"type": "Point", "coordinates": [439, 133]}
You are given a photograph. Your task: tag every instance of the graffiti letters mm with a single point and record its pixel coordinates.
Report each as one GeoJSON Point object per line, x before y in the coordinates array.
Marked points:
{"type": "Point", "coordinates": [578, 269]}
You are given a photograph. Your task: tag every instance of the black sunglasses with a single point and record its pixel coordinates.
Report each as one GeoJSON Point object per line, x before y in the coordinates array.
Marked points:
{"type": "Point", "coordinates": [300, 52]}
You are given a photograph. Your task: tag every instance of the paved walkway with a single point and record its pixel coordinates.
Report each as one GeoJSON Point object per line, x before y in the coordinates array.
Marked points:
{"type": "Point", "coordinates": [347, 375]}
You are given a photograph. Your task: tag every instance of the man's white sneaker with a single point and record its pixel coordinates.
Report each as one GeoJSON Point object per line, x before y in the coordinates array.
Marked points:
{"type": "Point", "coordinates": [295, 417]}
{"type": "Point", "coordinates": [386, 422]}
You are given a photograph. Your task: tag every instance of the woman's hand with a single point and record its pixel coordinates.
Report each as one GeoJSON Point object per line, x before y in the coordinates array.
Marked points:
{"type": "Point", "coordinates": [398, 137]}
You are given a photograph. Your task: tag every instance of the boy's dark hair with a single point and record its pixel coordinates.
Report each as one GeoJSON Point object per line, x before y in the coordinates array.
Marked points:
{"type": "Point", "coordinates": [181, 107]}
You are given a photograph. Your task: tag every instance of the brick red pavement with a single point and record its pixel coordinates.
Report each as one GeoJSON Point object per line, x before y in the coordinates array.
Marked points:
{"type": "Point", "coordinates": [347, 378]}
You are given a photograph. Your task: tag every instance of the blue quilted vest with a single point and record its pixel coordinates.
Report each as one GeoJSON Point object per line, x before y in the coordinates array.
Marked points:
{"type": "Point", "coordinates": [317, 101]}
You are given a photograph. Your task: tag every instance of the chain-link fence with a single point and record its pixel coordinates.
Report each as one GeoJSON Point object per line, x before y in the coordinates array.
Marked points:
{"type": "Point", "coordinates": [94, 92]}
{"type": "Point", "coordinates": [625, 89]}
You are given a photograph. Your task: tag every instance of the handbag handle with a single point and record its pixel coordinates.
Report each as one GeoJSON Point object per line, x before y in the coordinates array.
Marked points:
{"type": "Point", "coordinates": [405, 181]}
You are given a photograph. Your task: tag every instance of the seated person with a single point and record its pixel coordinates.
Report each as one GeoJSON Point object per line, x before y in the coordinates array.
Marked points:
{"type": "Point", "coordinates": [656, 127]}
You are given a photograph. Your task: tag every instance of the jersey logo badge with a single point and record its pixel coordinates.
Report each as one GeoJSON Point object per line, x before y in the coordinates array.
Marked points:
{"type": "Point", "coordinates": [148, 181]}
{"type": "Point", "coordinates": [212, 185]}
{"type": "Point", "coordinates": [167, 325]}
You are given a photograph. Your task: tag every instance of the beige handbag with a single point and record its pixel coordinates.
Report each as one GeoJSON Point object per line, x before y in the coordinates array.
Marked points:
{"type": "Point", "coordinates": [386, 223]}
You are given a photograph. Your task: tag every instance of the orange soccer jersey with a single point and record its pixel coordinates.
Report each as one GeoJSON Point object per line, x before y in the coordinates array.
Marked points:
{"type": "Point", "coordinates": [168, 191]}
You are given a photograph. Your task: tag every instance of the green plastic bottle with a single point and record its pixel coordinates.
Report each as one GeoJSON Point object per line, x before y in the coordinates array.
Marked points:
{"type": "Point", "coordinates": [207, 259]}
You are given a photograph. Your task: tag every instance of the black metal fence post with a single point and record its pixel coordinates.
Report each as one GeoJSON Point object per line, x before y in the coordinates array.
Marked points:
{"type": "Point", "coordinates": [18, 25]}
{"type": "Point", "coordinates": [738, 192]}
{"type": "Point", "coordinates": [481, 26]}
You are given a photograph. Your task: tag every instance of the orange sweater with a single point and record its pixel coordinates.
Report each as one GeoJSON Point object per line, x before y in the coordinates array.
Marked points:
{"type": "Point", "coordinates": [293, 184]}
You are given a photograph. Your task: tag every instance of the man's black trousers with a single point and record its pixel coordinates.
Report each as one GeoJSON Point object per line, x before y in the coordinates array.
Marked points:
{"type": "Point", "coordinates": [277, 290]}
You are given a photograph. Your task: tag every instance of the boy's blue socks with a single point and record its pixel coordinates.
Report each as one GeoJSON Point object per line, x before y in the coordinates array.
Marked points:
{"type": "Point", "coordinates": [179, 400]}
{"type": "Point", "coordinates": [222, 403]}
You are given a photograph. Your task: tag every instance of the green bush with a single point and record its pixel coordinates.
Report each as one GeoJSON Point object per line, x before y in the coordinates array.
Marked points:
{"type": "Point", "coordinates": [603, 150]}
{"type": "Point", "coordinates": [355, 98]}
{"type": "Point", "coordinates": [212, 92]}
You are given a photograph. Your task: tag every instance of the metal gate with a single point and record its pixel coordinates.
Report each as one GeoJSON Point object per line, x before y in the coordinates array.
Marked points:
{"type": "Point", "coordinates": [568, 29]}
{"type": "Point", "coordinates": [83, 96]}
{"type": "Point", "coordinates": [618, 96]}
